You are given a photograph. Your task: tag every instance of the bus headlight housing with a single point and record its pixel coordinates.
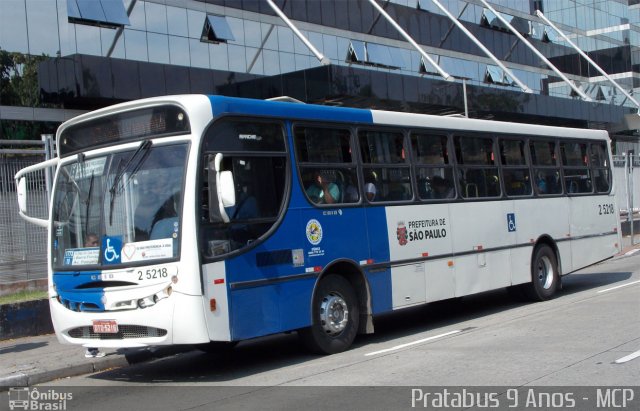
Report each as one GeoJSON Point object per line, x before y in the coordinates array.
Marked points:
{"type": "Point", "coordinates": [153, 299]}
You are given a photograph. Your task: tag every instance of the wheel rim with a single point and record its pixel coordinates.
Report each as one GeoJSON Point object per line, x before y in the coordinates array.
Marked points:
{"type": "Point", "coordinates": [334, 314]}
{"type": "Point", "coordinates": [545, 272]}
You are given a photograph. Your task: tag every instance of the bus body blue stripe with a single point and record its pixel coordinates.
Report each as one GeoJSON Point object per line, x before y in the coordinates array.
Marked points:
{"type": "Point", "coordinates": [83, 299]}
{"type": "Point", "coordinates": [242, 106]}
{"type": "Point", "coordinates": [353, 233]}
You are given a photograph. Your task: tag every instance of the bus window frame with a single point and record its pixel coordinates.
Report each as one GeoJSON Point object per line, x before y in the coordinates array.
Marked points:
{"type": "Point", "coordinates": [459, 167]}
{"type": "Point", "coordinates": [327, 166]}
{"type": "Point", "coordinates": [408, 161]}
{"type": "Point", "coordinates": [605, 167]}
{"type": "Point", "coordinates": [557, 166]}
{"type": "Point", "coordinates": [451, 165]}
{"type": "Point", "coordinates": [586, 167]}
{"type": "Point", "coordinates": [201, 178]}
{"type": "Point", "coordinates": [528, 165]}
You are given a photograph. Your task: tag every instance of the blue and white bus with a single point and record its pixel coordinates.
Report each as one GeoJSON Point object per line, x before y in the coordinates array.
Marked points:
{"type": "Point", "coordinates": [207, 220]}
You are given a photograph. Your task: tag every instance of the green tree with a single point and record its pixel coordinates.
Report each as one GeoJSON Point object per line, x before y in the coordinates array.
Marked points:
{"type": "Point", "coordinates": [19, 79]}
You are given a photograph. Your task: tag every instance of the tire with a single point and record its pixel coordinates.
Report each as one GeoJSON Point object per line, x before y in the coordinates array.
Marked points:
{"type": "Point", "coordinates": [335, 316]}
{"type": "Point", "coordinates": [544, 274]}
{"type": "Point", "coordinates": [216, 347]}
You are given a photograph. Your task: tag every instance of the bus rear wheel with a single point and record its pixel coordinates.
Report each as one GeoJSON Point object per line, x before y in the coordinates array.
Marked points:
{"type": "Point", "coordinates": [544, 274]}
{"type": "Point", "coordinates": [335, 316]}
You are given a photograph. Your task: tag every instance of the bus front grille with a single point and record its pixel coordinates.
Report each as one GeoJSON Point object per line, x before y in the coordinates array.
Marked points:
{"type": "Point", "coordinates": [124, 332]}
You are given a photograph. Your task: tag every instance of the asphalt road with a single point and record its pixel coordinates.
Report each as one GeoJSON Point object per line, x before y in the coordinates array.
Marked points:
{"type": "Point", "coordinates": [586, 336]}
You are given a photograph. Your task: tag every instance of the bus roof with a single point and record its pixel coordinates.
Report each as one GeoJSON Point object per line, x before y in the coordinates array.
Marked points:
{"type": "Point", "coordinates": [222, 105]}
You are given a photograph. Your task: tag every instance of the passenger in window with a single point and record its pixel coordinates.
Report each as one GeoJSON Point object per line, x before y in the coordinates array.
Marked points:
{"type": "Point", "coordinates": [91, 241]}
{"type": "Point", "coordinates": [541, 182]}
{"type": "Point", "coordinates": [351, 192]}
{"type": "Point", "coordinates": [321, 191]}
{"type": "Point", "coordinates": [370, 191]}
{"type": "Point", "coordinates": [245, 208]}
{"type": "Point", "coordinates": [442, 188]}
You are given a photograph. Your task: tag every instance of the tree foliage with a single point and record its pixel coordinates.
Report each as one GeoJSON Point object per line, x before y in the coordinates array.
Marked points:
{"type": "Point", "coordinates": [19, 79]}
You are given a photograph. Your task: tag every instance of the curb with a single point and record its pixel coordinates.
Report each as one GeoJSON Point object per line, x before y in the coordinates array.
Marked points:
{"type": "Point", "coordinates": [27, 379]}
{"type": "Point", "coordinates": [120, 359]}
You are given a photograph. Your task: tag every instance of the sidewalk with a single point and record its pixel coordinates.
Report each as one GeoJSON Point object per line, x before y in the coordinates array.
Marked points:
{"type": "Point", "coordinates": [34, 360]}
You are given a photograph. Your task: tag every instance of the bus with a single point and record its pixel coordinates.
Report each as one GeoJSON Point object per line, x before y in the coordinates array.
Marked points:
{"type": "Point", "coordinates": [209, 220]}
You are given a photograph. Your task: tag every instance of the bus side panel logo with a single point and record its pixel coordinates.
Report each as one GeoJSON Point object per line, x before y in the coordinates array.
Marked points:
{"type": "Point", "coordinates": [511, 222]}
{"type": "Point", "coordinates": [314, 232]}
{"type": "Point", "coordinates": [401, 233]}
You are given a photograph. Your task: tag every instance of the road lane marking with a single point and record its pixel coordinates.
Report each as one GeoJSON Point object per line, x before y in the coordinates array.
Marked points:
{"type": "Point", "coordinates": [629, 357]}
{"type": "Point", "coordinates": [632, 252]}
{"type": "Point", "coordinates": [398, 347]}
{"type": "Point", "coordinates": [619, 286]}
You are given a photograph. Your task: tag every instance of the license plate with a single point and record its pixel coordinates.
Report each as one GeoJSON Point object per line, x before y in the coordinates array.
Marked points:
{"type": "Point", "coordinates": [105, 326]}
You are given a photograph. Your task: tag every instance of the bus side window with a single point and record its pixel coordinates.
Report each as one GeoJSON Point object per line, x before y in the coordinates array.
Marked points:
{"type": "Point", "coordinates": [600, 167]}
{"type": "Point", "coordinates": [433, 168]}
{"type": "Point", "coordinates": [575, 162]}
{"type": "Point", "coordinates": [327, 170]}
{"type": "Point", "coordinates": [478, 167]}
{"type": "Point", "coordinates": [546, 170]}
{"type": "Point", "coordinates": [385, 165]}
{"type": "Point", "coordinates": [515, 170]}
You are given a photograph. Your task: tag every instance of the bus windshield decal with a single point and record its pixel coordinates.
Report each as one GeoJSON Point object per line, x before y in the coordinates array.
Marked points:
{"type": "Point", "coordinates": [147, 250]}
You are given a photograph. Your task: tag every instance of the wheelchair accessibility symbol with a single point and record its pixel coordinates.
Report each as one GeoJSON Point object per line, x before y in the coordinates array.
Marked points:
{"type": "Point", "coordinates": [111, 247]}
{"type": "Point", "coordinates": [511, 222]}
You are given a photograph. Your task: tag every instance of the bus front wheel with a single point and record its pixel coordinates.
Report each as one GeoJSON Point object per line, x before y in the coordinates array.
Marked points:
{"type": "Point", "coordinates": [544, 274]}
{"type": "Point", "coordinates": [335, 316]}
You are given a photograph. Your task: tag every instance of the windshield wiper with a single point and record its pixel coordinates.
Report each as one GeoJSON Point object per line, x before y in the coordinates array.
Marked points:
{"type": "Point", "coordinates": [87, 203]}
{"type": "Point", "coordinates": [121, 171]}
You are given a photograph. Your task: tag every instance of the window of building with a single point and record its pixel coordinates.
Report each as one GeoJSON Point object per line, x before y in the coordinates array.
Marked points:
{"type": "Point", "coordinates": [356, 52]}
{"type": "Point", "coordinates": [495, 75]}
{"type": "Point", "coordinates": [371, 54]}
{"type": "Point", "coordinates": [216, 30]}
{"type": "Point", "coordinates": [427, 68]}
{"type": "Point", "coordinates": [108, 13]}
{"type": "Point", "coordinates": [550, 36]}
{"type": "Point", "coordinates": [489, 19]}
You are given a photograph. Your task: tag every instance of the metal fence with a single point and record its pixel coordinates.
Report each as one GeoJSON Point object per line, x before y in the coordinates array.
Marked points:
{"type": "Point", "coordinates": [626, 177]}
{"type": "Point", "coordinates": [23, 245]}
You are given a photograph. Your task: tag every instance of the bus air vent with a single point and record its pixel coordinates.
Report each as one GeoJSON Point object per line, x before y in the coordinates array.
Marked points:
{"type": "Point", "coordinates": [124, 332]}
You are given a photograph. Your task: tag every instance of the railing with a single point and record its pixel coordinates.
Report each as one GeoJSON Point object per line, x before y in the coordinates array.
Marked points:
{"type": "Point", "coordinates": [22, 245]}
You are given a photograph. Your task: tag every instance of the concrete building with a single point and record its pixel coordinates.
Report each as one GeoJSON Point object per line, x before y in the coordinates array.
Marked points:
{"type": "Point", "coordinates": [100, 52]}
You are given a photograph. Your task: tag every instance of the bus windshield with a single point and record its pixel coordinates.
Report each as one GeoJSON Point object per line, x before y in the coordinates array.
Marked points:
{"type": "Point", "coordinates": [119, 208]}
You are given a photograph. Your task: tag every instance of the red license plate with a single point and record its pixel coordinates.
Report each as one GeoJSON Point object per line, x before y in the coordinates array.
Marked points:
{"type": "Point", "coordinates": [105, 326]}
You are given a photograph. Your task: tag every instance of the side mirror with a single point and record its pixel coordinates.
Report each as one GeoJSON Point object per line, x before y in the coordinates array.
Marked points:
{"type": "Point", "coordinates": [225, 188]}
{"type": "Point", "coordinates": [22, 194]}
{"type": "Point", "coordinates": [21, 190]}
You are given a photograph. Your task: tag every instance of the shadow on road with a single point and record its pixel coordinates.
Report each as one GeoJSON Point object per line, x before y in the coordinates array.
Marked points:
{"type": "Point", "coordinates": [282, 350]}
{"type": "Point", "coordinates": [22, 347]}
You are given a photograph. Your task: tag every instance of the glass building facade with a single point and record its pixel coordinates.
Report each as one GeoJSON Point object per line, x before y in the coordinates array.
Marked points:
{"type": "Point", "coordinates": [104, 51]}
